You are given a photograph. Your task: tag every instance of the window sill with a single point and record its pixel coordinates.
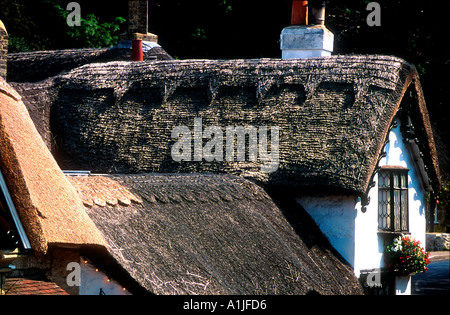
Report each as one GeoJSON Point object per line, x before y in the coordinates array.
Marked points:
{"type": "Point", "coordinates": [388, 237]}
{"type": "Point", "coordinates": [7, 256]}
{"type": "Point", "coordinates": [393, 233]}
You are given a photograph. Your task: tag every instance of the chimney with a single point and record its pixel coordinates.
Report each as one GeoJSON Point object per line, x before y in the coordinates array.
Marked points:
{"type": "Point", "coordinates": [3, 50]}
{"type": "Point", "coordinates": [307, 36]}
{"type": "Point", "coordinates": [138, 22]}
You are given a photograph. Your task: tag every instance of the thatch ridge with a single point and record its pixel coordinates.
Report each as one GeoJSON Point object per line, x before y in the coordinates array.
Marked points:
{"type": "Point", "coordinates": [39, 65]}
{"type": "Point", "coordinates": [213, 234]}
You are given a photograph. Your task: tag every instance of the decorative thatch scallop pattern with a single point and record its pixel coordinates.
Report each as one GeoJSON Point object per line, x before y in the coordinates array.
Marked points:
{"type": "Point", "coordinates": [102, 191]}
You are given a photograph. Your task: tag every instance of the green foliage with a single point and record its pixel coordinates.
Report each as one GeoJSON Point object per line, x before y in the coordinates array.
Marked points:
{"type": "Point", "coordinates": [199, 34]}
{"type": "Point", "coordinates": [91, 33]}
{"type": "Point", "coordinates": [41, 25]}
{"type": "Point", "coordinates": [18, 44]}
{"type": "Point", "coordinates": [443, 202]}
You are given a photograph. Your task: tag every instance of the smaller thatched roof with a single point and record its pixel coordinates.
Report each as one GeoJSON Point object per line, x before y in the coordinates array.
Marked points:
{"type": "Point", "coordinates": [39, 65]}
{"type": "Point", "coordinates": [209, 234]}
{"type": "Point", "coordinates": [48, 206]}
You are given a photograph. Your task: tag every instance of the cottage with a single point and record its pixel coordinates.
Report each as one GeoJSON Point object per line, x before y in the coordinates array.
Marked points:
{"type": "Point", "coordinates": [148, 233]}
{"type": "Point", "coordinates": [344, 121]}
{"type": "Point", "coordinates": [356, 158]}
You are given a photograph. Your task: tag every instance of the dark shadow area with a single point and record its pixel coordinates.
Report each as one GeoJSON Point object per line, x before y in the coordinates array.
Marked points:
{"type": "Point", "coordinates": [303, 224]}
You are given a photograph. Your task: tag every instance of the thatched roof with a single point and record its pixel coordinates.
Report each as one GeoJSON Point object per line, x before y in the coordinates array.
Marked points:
{"type": "Point", "coordinates": [49, 207]}
{"type": "Point", "coordinates": [334, 114]}
{"type": "Point", "coordinates": [209, 234]}
{"type": "Point", "coordinates": [39, 65]}
{"type": "Point", "coordinates": [2, 26]}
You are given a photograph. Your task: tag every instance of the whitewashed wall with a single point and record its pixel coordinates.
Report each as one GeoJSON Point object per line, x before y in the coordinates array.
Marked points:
{"type": "Point", "coordinates": [353, 233]}
{"type": "Point", "coordinates": [335, 215]}
{"type": "Point", "coordinates": [93, 279]}
{"type": "Point", "coordinates": [398, 153]}
{"type": "Point", "coordinates": [369, 246]}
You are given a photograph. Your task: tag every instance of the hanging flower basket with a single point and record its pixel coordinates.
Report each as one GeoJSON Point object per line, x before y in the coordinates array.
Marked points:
{"type": "Point", "coordinates": [406, 256]}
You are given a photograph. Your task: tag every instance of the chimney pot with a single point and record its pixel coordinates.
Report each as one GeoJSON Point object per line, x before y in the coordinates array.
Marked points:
{"type": "Point", "coordinates": [318, 12]}
{"type": "Point", "coordinates": [299, 12]}
{"type": "Point", "coordinates": [137, 53]}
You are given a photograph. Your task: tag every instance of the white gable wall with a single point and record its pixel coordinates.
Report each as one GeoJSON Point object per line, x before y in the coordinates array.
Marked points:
{"type": "Point", "coordinates": [368, 244]}
{"type": "Point", "coordinates": [353, 233]}
{"type": "Point", "coordinates": [398, 153]}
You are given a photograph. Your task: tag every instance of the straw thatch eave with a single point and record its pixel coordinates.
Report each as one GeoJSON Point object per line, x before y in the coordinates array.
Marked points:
{"type": "Point", "coordinates": [49, 208]}
{"type": "Point", "coordinates": [411, 102]}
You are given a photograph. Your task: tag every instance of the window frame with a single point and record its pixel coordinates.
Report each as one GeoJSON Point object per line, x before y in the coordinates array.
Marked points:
{"type": "Point", "coordinates": [394, 204]}
{"type": "Point", "coordinates": [16, 223]}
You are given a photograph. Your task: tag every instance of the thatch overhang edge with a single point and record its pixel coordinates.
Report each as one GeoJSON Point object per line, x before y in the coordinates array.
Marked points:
{"type": "Point", "coordinates": [412, 80]}
{"type": "Point", "coordinates": [48, 206]}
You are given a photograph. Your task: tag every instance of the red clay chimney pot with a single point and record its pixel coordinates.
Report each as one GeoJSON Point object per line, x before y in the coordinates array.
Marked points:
{"type": "Point", "coordinates": [299, 12]}
{"type": "Point", "coordinates": [137, 53]}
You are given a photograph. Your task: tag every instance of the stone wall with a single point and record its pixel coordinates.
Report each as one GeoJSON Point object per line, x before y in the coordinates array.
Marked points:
{"type": "Point", "coordinates": [3, 50]}
{"type": "Point", "coordinates": [438, 241]}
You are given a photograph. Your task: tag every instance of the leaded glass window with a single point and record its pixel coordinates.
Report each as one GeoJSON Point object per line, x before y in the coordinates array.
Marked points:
{"type": "Point", "coordinates": [393, 200]}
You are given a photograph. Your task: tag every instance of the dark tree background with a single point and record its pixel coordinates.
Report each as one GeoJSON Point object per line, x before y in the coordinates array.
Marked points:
{"type": "Point", "coordinates": [224, 29]}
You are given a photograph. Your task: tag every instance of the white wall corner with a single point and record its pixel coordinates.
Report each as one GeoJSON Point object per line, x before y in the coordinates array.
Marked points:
{"type": "Point", "coordinates": [335, 216]}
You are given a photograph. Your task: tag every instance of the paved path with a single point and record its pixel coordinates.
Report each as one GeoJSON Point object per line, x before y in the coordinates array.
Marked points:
{"type": "Point", "coordinates": [436, 281]}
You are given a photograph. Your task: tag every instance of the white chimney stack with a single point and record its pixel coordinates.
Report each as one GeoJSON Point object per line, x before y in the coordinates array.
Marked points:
{"type": "Point", "coordinates": [301, 40]}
